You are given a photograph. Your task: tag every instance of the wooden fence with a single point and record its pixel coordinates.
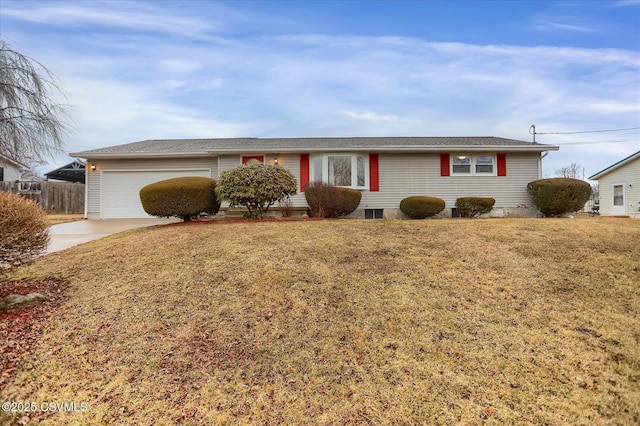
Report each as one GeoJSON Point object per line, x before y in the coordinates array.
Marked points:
{"type": "Point", "coordinates": [54, 197]}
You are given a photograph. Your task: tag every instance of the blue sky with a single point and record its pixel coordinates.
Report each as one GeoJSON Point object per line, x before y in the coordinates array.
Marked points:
{"type": "Point", "coordinates": [135, 70]}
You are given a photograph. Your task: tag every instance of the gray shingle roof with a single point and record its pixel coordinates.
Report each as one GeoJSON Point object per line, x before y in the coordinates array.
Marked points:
{"type": "Point", "coordinates": [184, 147]}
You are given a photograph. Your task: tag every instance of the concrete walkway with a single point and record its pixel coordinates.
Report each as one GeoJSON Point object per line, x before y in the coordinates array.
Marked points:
{"type": "Point", "coordinates": [66, 235]}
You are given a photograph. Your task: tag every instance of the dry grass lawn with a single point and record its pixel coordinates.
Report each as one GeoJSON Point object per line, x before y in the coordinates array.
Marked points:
{"type": "Point", "coordinates": [523, 321]}
{"type": "Point", "coordinates": [55, 219]}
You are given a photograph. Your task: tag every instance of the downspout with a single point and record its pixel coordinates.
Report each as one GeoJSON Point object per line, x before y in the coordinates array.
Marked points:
{"type": "Point", "coordinates": [544, 154]}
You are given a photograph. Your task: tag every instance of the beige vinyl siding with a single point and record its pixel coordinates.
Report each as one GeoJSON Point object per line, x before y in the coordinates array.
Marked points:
{"type": "Point", "coordinates": [93, 177]}
{"type": "Point", "coordinates": [226, 162]}
{"type": "Point", "coordinates": [289, 161]}
{"type": "Point", "coordinates": [92, 180]}
{"type": "Point", "coordinates": [627, 174]}
{"type": "Point", "coordinates": [405, 175]}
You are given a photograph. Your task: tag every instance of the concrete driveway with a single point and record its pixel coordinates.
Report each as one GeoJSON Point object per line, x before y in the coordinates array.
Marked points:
{"type": "Point", "coordinates": [65, 235]}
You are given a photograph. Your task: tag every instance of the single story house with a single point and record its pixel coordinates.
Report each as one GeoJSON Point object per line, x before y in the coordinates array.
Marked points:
{"type": "Point", "coordinates": [619, 186]}
{"type": "Point", "coordinates": [385, 169]}
{"type": "Point", "coordinates": [11, 170]}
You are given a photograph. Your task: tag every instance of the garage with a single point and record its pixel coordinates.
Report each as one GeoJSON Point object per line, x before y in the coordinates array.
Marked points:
{"type": "Point", "coordinates": [120, 190]}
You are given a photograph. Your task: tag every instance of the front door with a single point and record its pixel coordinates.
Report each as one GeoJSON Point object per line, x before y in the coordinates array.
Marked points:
{"type": "Point", "coordinates": [619, 204]}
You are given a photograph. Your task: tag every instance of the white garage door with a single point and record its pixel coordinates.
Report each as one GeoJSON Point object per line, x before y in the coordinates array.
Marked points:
{"type": "Point", "coordinates": [121, 190]}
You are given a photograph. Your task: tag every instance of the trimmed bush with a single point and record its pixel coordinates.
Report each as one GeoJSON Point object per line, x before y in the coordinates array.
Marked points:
{"type": "Point", "coordinates": [320, 197]}
{"type": "Point", "coordinates": [181, 197]}
{"type": "Point", "coordinates": [24, 230]}
{"type": "Point", "coordinates": [327, 201]}
{"type": "Point", "coordinates": [420, 207]}
{"type": "Point", "coordinates": [557, 196]}
{"type": "Point", "coordinates": [347, 201]}
{"type": "Point", "coordinates": [474, 206]}
{"type": "Point", "coordinates": [256, 187]}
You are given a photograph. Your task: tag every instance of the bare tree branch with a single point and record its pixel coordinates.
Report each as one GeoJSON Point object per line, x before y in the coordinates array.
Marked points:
{"type": "Point", "coordinates": [571, 171]}
{"type": "Point", "coordinates": [32, 126]}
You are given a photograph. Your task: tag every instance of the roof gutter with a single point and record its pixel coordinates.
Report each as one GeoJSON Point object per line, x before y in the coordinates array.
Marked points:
{"type": "Point", "coordinates": [297, 150]}
{"type": "Point", "coordinates": [412, 149]}
{"type": "Point", "coordinates": [87, 155]}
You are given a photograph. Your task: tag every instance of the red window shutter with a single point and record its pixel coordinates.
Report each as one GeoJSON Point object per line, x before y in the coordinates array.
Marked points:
{"type": "Point", "coordinates": [444, 165]}
{"type": "Point", "coordinates": [374, 179]}
{"type": "Point", "coordinates": [502, 164]}
{"type": "Point", "coordinates": [304, 171]}
{"type": "Point", "coordinates": [247, 158]}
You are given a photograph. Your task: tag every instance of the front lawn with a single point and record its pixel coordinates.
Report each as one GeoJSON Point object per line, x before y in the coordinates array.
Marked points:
{"type": "Point", "coordinates": [523, 321]}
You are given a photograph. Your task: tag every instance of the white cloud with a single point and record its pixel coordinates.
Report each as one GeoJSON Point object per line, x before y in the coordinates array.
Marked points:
{"type": "Point", "coordinates": [437, 89]}
{"type": "Point", "coordinates": [180, 66]}
{"type": "Point", "coordinates": [369, 116]}
{"type": "Point", "coordinates": [173, 84]}
{"type": "Point", "coordinates": [136, 16]}
{"type": "Point", "coordinates": [133, 86]}
{"type": "Point", "coordinates": [627, 3]}
{"type": "Point", "coordinates": [554, 26]}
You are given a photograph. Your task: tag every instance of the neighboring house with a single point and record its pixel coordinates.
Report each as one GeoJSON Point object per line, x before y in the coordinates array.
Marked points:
{"type": "Point", "coordinates": [10, 170]}
{"type": "Point", "coordinates": [385, 169]}
{"type": "Point", "coordinates": [73, 172]}
{"type": "Point", "coordinates": [619, 186]}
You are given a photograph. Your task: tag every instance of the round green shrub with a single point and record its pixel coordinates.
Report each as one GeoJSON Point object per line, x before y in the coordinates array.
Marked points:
{"type": "Point", "coordinates": [348, 201]}
{"type": "Point", "coordinates": [182, 197]}
{"type": "Point", "coordinates": [557, 196]}
{"type": "Point", "coordinates": [420, 207]}
{"type": "Point", "coordinates": [256, 187]}
{"type": "Point", "coordinates": [327, 201]}
{"type": "Point", "coordinates": [24, 230]}
{"type": "Point", "coordinates": [474, 206]}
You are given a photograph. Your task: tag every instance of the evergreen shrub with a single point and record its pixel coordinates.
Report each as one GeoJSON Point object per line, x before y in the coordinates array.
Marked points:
{"type": "Point", "coordinates": [182, 197]}
{"type": "Point", "coordinates": [557, 196]}
{"type": "Point", "coordinates": [256, 187]}
{"type": "Point", "coordinates": [474, 206]}
{"type": "Point", "coordinates": [421, 207]}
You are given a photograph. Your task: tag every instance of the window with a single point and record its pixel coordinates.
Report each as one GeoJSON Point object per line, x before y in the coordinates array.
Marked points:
{"type": "Point", "coordinates": [347, 170]}
{"type": "Point", "coordinates": [339, 170]}
{"type": "Point", "coordinates": [1, 174]}
{"type": "Point", "coordinates": [473, 165]}
{"type": "Point", "coordinates": [484, 164]}
{"type": "Point", "coordinates": [360, 171]}
{"type": "Point", "coordinates": [461, 164]}
{"type": "Point", "coordinates": [618, 195]}
{"type": "Point", "coordinates": [316, 166]}
{"type": "Point", "coordinates": [374, 213]}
